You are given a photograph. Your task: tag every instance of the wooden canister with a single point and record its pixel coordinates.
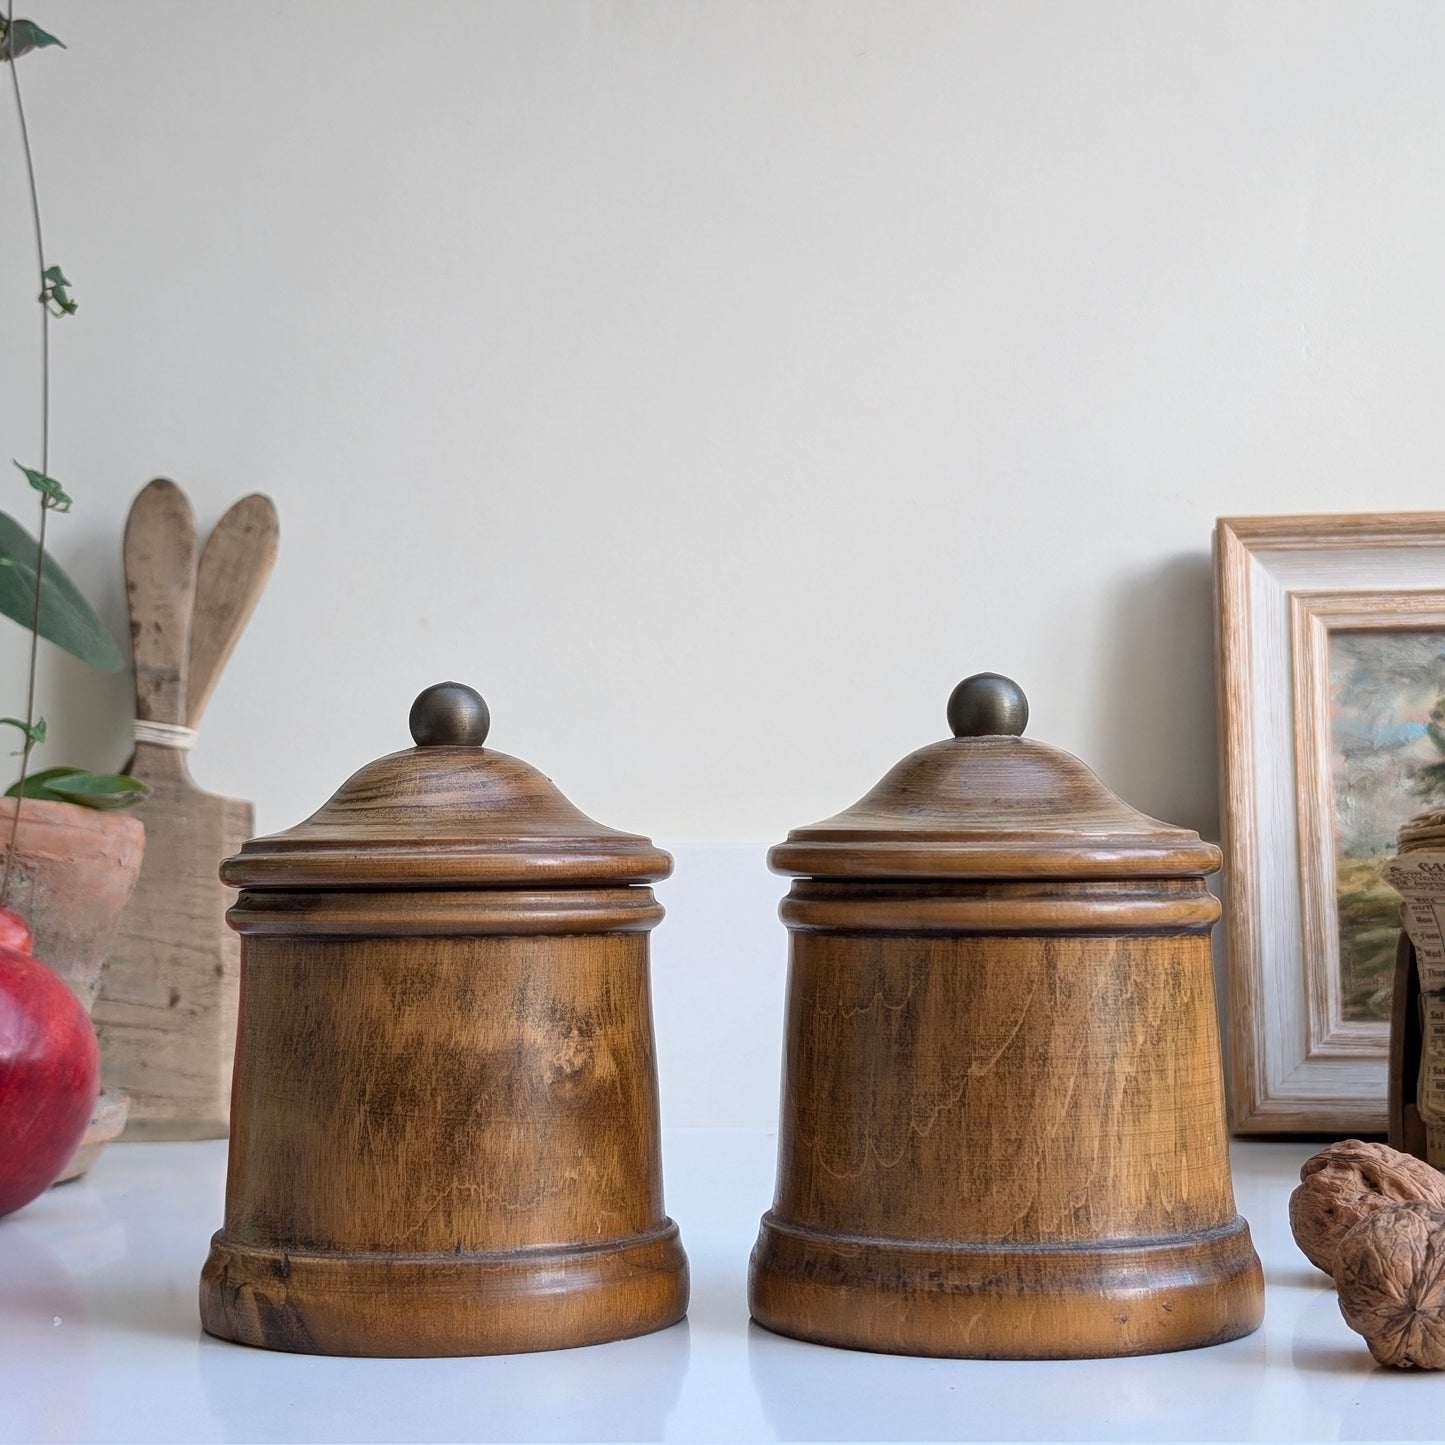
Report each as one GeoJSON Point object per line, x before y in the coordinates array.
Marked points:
{"type": "Point", "coordinates": [444, 1120]}
{"type": "Point", "coordinates": [1002, 1128]}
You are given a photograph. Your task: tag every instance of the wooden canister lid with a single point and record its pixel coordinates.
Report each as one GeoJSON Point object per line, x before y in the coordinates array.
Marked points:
{"type": "Point", "coordinates": [989, 804]}
{"type": "Point", "coordinates": [447, 813]}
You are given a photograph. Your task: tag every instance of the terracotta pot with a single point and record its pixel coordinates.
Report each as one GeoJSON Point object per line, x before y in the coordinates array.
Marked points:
{"type": "Point", "coordinates": [107, 1119]}
{"type": "Point", "coordinates": [73, 874]}
{"type": "Point", "coordinates": [74, 871]}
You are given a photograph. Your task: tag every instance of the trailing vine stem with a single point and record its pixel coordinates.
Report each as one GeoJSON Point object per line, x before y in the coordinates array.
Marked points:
{"type": "Point", "coordinates": [29, 739]}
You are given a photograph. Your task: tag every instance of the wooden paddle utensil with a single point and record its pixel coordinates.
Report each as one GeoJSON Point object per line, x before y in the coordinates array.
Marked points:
{"type": "Point", "coordinates": [166, 1013]}
{"type": "Point", "coordinates": [235, 563]}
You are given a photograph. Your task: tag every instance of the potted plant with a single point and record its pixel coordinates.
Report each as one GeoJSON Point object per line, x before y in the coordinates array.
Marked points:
{"type": "Point", "coordinates": [70, 857]}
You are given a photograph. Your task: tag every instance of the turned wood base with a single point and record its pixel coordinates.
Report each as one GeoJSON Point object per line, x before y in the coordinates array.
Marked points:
{"type": "Point", "coordinates": [1001, 1303]}
{"type": "Point", "coordinates": [428, 1305]}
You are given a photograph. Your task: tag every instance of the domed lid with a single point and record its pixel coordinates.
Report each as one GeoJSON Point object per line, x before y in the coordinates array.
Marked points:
{"type": "Point", "coordinates": [447, 813]}
{"type": "Point", "coordinates": [988, 803]}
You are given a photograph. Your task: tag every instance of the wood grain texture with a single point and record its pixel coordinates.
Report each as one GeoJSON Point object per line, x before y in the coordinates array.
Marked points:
{"type": "Point", "coordinates": [166, 1013]}
{"type": "Point", "coordinates": [1002, 1128]}
{"type": "Point", "coordinates": [1247, 1095]}
{"type": "Point", "coordinates": [230, 576]}
{"type": "Point", "coordinates": [1003, 1148]}
{"type": "Point", "coordinates": [445, 1135]}
{"type": "Point", "coordinates": [160, 585]}
{"type": "Point", "coordinates": [443, 912]}
{"type": "Point", "coordinates": [937, 814]}
{"type": "Point", "coordinates": [455, 1153]}
{"type": "Point", "coordinates": [1310, 531]}
{"type": "Point", "coordinates": [446, 817]}
{"type": "Point", "coordinates": [1280, 584]}
{"type": "Point", "coordinates": [1159, 905]}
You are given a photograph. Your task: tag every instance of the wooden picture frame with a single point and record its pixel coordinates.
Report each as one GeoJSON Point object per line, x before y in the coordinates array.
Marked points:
{"type": "Point", "coordinates": [1298, 1062]}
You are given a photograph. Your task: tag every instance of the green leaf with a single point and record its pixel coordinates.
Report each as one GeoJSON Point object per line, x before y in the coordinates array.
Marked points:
{"type": "Point", "coordinates": [37, 784]}
{"type": "Point", "coordinates": [54, 294]}
{"type": "Point", "coordinates": [66, 618]}
{"type": "Point", "coordinates": [106, 791]}
{"type": "Point", "coordinates": [55, 495]}
{"type": "Point", "coordinates": [23, 36]}
{"type": "Point", "coordinates": [35, 732]}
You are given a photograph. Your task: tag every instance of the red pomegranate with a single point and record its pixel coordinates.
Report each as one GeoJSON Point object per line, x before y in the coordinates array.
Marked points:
{"type": "Point", "coordinates": [15, 932]}
{"type": "Point", "coordinates": [49, 1069]}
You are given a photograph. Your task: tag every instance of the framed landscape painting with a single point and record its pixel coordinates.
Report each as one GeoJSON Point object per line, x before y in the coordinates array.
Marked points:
{"type": "Point", "coordinates": [1331, 638]}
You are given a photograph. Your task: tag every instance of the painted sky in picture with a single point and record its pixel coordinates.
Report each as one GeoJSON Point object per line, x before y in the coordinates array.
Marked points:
{"type": "Point", "coordinates": [1382, 687]}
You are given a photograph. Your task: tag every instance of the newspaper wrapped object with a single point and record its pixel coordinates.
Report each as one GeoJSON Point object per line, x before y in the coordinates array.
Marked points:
{"type": "Point", "coordinates": [1417, 873]}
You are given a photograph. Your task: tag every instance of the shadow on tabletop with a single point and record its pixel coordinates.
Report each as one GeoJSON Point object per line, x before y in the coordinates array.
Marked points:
{"type": "Point", "coordinates": [1330, 1359]}
{"type": "Point", "coordinates": [162, 1310]}
{"type": "Point", "coordinates": [1321, 1342]}
{"type": "Point", "coordinates": [1314, 1280]}
{"type": "Point", "coordinates": [620, 1391]}
{"type": "Point", "coordinates": [1346, 1389]}
{"type": "Point", "coordinates": [1160, 647]}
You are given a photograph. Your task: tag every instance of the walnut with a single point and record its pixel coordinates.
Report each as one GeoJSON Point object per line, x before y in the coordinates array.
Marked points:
{"type": "Point", "coordinates": [1390, 1272]}
{"type": "Point", "coordinates": [1340, 1185]}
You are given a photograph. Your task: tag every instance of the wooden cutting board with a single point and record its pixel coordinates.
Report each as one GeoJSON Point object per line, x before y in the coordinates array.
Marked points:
{"type": "Point", "coordinates": [166, 1012]}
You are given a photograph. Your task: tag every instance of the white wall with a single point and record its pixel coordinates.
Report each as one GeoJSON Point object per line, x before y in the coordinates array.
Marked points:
{"type": "Point", "coordinates": [715, 384]}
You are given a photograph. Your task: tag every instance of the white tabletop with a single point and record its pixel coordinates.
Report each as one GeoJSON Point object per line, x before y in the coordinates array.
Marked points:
{"type": "Point", "coordinates": [99, 1341]}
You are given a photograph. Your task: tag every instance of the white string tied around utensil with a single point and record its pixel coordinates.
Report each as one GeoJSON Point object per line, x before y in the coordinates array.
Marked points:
{"type": "Point", "coordinates": [165, 735]}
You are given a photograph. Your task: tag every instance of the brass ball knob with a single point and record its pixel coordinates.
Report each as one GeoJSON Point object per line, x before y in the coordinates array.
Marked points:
{"type": "Point", "coordinates": [988, 705]}
{"type": "Point", "coordinates": [449, 715]}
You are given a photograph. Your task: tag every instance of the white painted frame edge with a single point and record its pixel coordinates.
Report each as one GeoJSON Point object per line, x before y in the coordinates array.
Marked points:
{"type": "Point", "coordinates": [1278, 1082]}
